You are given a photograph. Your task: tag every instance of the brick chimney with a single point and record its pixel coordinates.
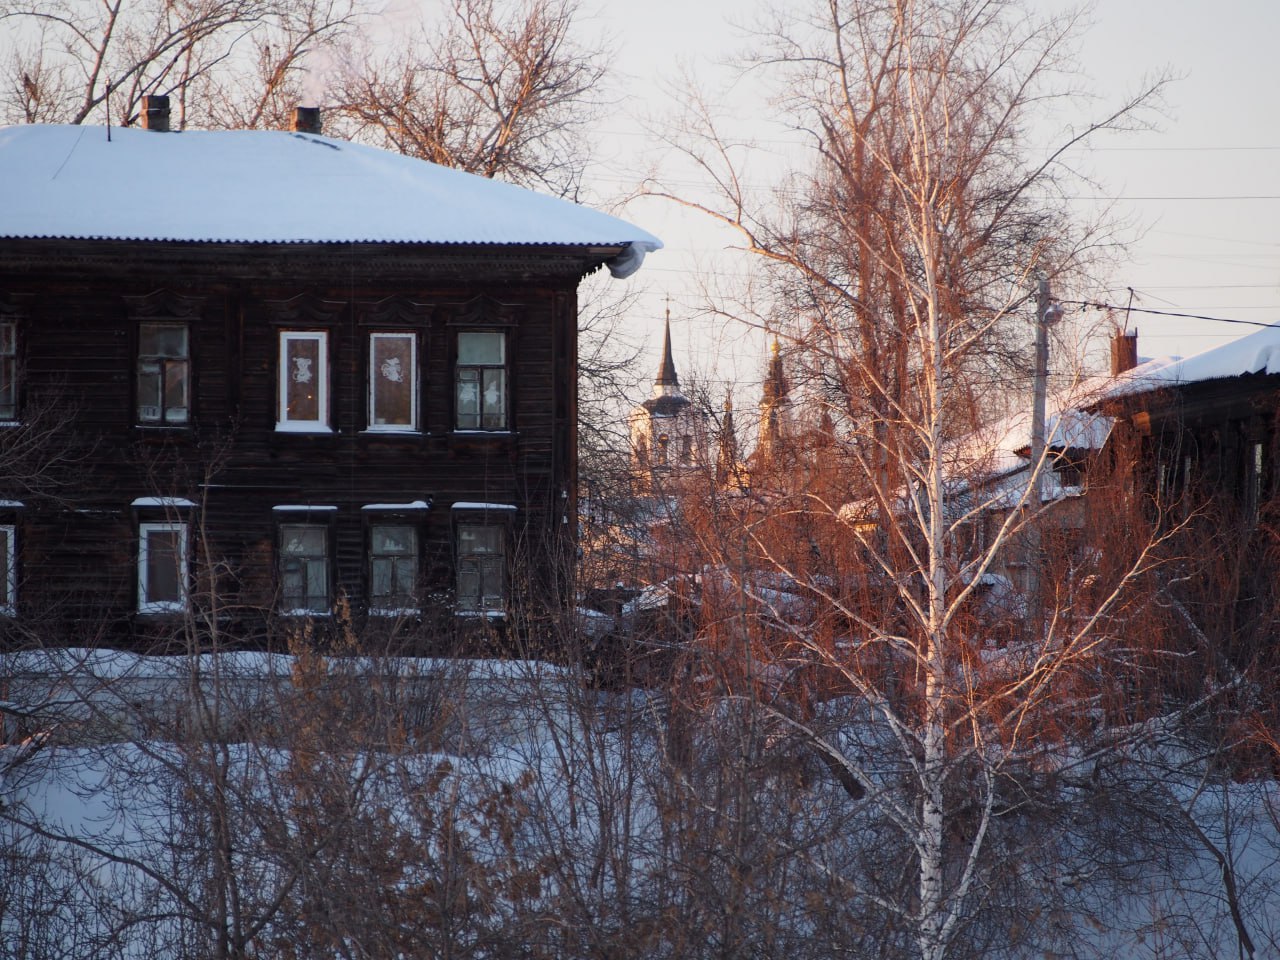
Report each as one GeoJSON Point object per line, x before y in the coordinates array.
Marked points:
{"type": "Point", "coordinates": [1124, 352]}
{"type": "Point", "coordinates": [306, 120]}
{"type": "Point", "coordinates": [155, 113]}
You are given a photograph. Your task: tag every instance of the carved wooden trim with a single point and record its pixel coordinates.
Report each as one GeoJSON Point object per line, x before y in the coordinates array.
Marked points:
{"type": "Point", "coordinates": [484, 311]}
{"type": "Point", "coordinates": [304, 310]}
{"type": "Point", "coordinates": [15, 305]}
{"type": "Point", "coordinates": [165, 303]}
{"type": "Point", "coordinates": [393, 311]}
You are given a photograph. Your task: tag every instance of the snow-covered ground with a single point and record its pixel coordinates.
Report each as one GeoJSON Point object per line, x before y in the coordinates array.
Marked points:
{"type": "Point", "coordinates": [349, 796]}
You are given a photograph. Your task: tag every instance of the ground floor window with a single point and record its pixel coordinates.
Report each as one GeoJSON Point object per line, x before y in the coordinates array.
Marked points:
{"type": "Point", "coordinates": [162, 567]}
{"type": "Point", "coordinates": [482, 567]}
{"type": "Point", "coordinates": [304, 568]}
{"type": "Point", "coordinates": [393, 568]}
{"type": "Point", "coordinates": [8, 571]}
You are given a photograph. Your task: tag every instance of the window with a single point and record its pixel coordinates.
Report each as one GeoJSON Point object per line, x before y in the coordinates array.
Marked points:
{"type": "Point", "coordinates": [304, 568]}
{"type": "Point", "coordinates": [393, 394]}
{"type": "Point", "coordinates": [482, 565]}
{"type": "Point", "coordinates": [162, 567]}
{"type": "Point", "coordinates": [1254, 484]}
{"type": "Point", "coordinates": [8, 371]}
{"type": "Point", "coordinates": [8, 571]}
{"type": "Point", "coordinates": [482, 381]}
{"type": "Point", "coordinates": [393, 568]}
{"type": "Point", "coordinates": [304, 381]}
{"type": "Point", "coordinates": [163, 373]}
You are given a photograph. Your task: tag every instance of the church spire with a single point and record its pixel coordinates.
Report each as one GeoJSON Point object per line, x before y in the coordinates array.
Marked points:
{"type": "Point", "coordinates": [775, 401]}
{"type": "Point", "coordinates": [776, 388]}
{"type": "Point", "coordinates": [667, 371]}
{"type": "Point", "coordinates": [727, 459]}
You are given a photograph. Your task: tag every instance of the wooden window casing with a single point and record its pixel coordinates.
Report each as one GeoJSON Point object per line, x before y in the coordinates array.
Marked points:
{"type": "Point", "coordinates": [481, 381]}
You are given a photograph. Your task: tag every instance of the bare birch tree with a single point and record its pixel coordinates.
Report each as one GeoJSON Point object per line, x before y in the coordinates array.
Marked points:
{"type": "Point", "coordinates": [902, 265]}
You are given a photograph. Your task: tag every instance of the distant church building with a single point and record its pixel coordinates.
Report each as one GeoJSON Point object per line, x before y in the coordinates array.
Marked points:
{"type": "Point", "coordinates": [776, 426]}
{"type": "Point", "coordinates": [667, 432]}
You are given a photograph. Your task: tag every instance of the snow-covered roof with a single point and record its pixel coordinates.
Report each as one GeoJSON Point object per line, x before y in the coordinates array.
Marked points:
{"type": "Point", "coordinates": [1257, 352]}
{"type": "Point", "coordinates": [266, 186]}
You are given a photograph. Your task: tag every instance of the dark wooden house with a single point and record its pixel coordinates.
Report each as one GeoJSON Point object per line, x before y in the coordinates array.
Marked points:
{"type": "Point", "coordinates": [249, 379]}
{"type": "Point", "coordinates": [1201, 439]}
{"type": "Point", "coordinates": [1206, 427]}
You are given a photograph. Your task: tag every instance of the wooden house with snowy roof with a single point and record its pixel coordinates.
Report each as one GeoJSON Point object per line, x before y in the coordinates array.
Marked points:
{"type": "Point", "coordinates": [1209, 425]}
{"type": "Point", "coordinates": [263, 376]}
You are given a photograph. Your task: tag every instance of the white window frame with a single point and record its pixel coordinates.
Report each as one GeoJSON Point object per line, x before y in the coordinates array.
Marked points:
{"type": "Point", "coordinates": [459, 366]}
{"type": "Point", "coordinates": [9, 602]}
{"type": "Point", "coordinates": [320, 424]}
{"type": "Point", "coordinates": [411, 375]}
{"type": "Point", "coordinates": [146, 605]}
{"type": "Point", "coordinates": [163, 418]}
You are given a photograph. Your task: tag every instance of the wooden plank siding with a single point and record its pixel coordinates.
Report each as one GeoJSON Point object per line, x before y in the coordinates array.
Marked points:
{"type": "Point", "coordinates": [78, 306]}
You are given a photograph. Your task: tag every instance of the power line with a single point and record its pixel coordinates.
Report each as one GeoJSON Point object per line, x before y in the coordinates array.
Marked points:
{"type": "Point", "coordinates": [1090, 304]}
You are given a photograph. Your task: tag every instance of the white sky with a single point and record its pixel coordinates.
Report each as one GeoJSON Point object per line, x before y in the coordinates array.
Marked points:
{"type": "Point", "coordinates": [1203, 188]}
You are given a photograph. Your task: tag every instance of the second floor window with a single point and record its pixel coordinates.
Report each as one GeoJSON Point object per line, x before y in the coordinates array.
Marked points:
{"type": "Point", "coordinates": [8, 371]}
{"type": "Point", "coordinates": [163, 373]}
{"type": "Point", "coordinates": [303, 399]}
{"type": "Point", "coordinates": [482, 381]}
{"type": "Point", "coordinates": [393, 381]}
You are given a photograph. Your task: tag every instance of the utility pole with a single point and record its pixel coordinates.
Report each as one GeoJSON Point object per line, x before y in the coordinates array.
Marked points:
{"type": "Point", "coordinates": [1047, 312]}
{"type": "Point", "coordinates": [1043, 302]}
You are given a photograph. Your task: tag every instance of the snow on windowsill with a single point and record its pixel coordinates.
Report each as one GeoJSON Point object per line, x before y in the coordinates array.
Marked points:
{"type": "Point", "coordinates": [486, 614]}
{"type": "Point", "coordinates": [411, 505]}
{"type": "Point", "coordinates": [394, 431]}
{"type": "Point", "coordinates": [301, 508]}
{"type": "Point", "coordinates": [394, 611]}
{"type": "Point", "coordinates": [469, 505]}
{"type": "Point", "coordinates": [162, 606]}
{"type": "Point", "coordinates": [304, 612]}
{"type": "Point", "coordinates": [315, 428]}
{"type": "Point", "coordinates": [11, 504]}
{"type": "Point", "coordinates": [176, 503]}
